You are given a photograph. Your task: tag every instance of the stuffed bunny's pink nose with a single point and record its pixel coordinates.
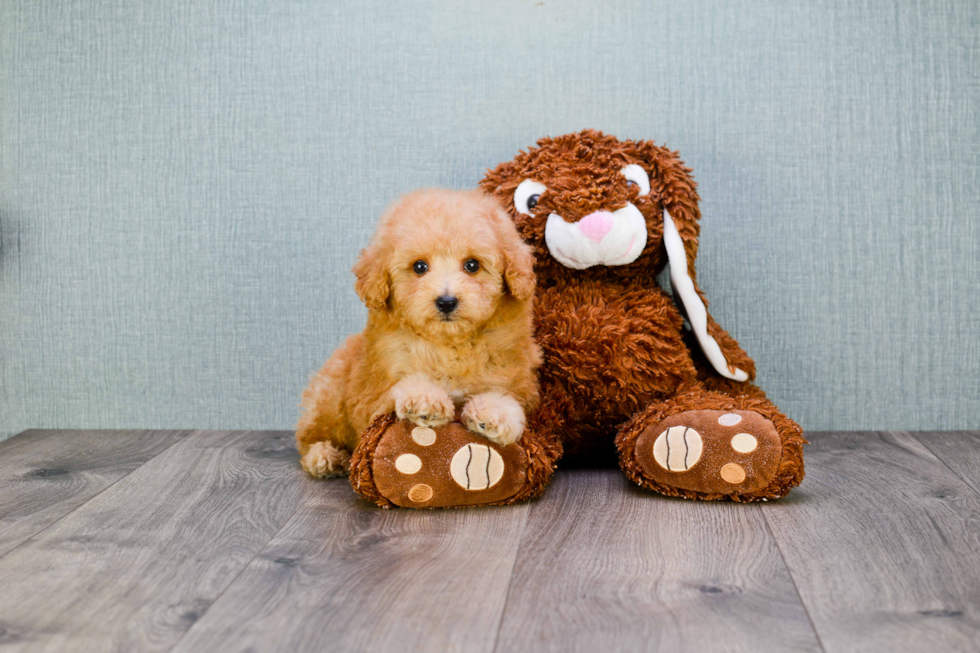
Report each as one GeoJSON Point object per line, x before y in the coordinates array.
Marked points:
{"type": "Point", "coordinates": [596, 225]}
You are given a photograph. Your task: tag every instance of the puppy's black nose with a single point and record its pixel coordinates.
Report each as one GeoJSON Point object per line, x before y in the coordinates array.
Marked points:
{"type": "Point", "coordinates": [446, 304]}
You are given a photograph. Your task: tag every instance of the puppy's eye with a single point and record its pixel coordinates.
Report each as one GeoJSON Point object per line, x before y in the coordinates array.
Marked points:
{"type": "Point", "coordinates": [527, 195]}
{"type": "Point", "coordinates": [420, 267]}
{"type": "Point", "coordinates": [630, 183]}
{"type": "Point", "coordinates": [471, 265]}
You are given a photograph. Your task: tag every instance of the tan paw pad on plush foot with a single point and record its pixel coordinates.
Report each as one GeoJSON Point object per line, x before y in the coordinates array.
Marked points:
{"type": "Point", "coordinates": [421, 467]}
{"type": "Point", "coordinates": [711, 451]}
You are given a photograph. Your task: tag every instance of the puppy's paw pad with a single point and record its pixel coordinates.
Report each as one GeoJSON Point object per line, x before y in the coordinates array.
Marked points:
{"type": "Point", "coordinates": [493, 431]}
{"type": "Point", "coordinates": [487, 426]}
{"type": "Point", "coordinates": [427, 409]}
{"type": "Point", "coordinates": [496, 417]}
{"type": "Point", "coordinates": [324, 460]}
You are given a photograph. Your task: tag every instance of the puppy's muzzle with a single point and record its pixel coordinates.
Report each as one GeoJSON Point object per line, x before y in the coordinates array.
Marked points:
{"type": "Point", "coordinates": [446, 304]}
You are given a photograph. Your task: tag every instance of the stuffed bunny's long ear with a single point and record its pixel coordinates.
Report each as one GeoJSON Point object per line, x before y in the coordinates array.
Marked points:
{"type": "Point", "coordinates": [697, 313]}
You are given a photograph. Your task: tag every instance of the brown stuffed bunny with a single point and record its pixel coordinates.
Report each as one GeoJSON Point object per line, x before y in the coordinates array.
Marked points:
{"type": "Point", "coordinates": [604, 217]}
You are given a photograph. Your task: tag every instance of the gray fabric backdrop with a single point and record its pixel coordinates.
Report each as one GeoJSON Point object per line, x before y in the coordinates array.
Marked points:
{"type": "Point", "coordinates": [185, 184]}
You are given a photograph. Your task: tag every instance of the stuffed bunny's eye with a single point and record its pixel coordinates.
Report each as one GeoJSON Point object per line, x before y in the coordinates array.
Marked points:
{"type": "Point", "coordinates": [527, 195]}
{"type": "Point", "coordinates": [636, 176]}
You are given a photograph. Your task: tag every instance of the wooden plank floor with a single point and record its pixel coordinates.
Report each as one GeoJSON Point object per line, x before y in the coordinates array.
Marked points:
{"type": "Point", "coordinates": [216, 541]}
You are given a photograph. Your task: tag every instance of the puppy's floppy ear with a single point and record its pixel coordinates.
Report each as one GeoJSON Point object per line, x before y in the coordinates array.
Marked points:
{"type": "Point", "coordinates": [373, 283]}
{"type": "Point", "coordinates": [519, 270]}
{"type": "Point", "coordinates": [519, 276]}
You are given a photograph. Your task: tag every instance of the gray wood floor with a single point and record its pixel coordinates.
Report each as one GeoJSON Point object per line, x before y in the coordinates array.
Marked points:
{"type": "Point", "coordinates": [216, 541]}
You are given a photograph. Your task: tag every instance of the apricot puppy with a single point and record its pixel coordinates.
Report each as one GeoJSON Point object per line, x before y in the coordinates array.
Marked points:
{"type": "Point", "coordinates": [449, 285]}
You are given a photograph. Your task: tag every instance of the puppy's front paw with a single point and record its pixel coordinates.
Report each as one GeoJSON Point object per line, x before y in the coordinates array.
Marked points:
{"type": "Point", "coordinates": [426, 410]}
{"type": "Point", "coordinates": [422, 402]}
{"type": "Point", "coordinates": [495, 416]}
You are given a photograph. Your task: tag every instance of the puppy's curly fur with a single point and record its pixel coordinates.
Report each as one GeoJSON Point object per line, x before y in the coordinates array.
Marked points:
{"type": "Point", "coordinates": [425, 363]}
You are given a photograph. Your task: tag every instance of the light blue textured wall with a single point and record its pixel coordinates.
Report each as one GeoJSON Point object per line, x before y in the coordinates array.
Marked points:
{"type": "Point", "coordinates": [185, 184]}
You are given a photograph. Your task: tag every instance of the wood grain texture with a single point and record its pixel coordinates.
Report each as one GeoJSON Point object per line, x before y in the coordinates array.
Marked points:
{"type": "Point", "coordinates": [607, 566]}
{"type": "Point", "coordinates": [44, 475]}
{"type": "Point", "coordinates": [883, 542]}
{"type": "Point", "coordinates": [219, 542]}
{"type": "Point", "coordinates": [137, 565]}
{"type": "Point", "coordinates": [959, 450]}
{"type": "Point", "coordinates": [344, 575]}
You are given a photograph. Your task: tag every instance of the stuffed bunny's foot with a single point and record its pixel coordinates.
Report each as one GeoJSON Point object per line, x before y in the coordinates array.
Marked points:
{"type": "Point", "coordinates": [447, 466]}
{"type": "Point", "coordinates": [714, 452]}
